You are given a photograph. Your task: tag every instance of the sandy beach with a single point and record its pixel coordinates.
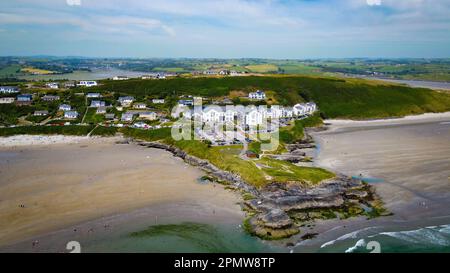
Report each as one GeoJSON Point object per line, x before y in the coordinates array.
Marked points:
{"type": "Point", "coordinates": [48, 188]}
{"type": "Point", "coordinates": [408, 162]}
{"type": "Point", "coordinates": [33, 140]}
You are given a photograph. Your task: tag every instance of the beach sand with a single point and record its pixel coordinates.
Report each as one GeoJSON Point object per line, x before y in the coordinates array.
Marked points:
{"type": "Point", "coordinates": [409, 162]}
{"type": "Point", "coordinates": [46, 188]}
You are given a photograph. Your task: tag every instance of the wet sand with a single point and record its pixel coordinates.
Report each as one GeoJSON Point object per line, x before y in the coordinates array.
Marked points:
{"type": "Point", "coordinates": [47, 191]}
{"type": "Point", "coordinates": [411, 159]}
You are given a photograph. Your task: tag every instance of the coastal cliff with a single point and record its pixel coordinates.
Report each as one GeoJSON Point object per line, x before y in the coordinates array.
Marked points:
{"type": "Point", "coordinates": [280, 210]}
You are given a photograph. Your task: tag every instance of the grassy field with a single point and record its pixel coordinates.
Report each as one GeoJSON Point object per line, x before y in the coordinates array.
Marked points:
{"type": "Point", "coordinates": [262, 68]}
{"type": "Point", "coordinates": [9, 71]}
{"type": "Point", "coordinates": [36, 71]}
{"type": "Point", "coordinates": [46, 130]}
{"type": "Point", "coordinates": [336, 98]}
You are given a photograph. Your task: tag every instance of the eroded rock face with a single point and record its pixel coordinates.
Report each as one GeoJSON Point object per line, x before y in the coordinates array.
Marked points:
{"type": "Point", "coordinates": [280, 208]}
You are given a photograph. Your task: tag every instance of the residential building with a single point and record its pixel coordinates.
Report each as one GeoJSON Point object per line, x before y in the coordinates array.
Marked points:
{"type": "Point", "coordinates": [158, 101]}
{"type": "Point", "coordinates": [25, 98]}
{"type": "Point", "coordinates": [40, 113]}
{"type": "Point", "coordinates": [9, 89]}
{"type": "Point", "coordinates": [126, 101]}
{"type": "Point", "coordinates": [93, 95]}
{"type": "Point", "coordinates": [120, 78]}
{"type": "Point", "coordinates": [50, 98]}
{"type": "Point", "coordinates": [101, 110]}
{"type": "Point", "coordinates": [71, 115]}
{"type": "Point", "coordinates": [87, 83]}
{"type": "Point", "coordinates": [110, 116]}
{"type": "Point", "coordinates": [258, 95]}
{"type": "Point", "coordinates": [98, 103]}
{"type": "Point", "coordinates": [186, 102]}
{"type": "Point", "coordinates": [65, 107]}
{"type": "Point", "coordinates": [127, 117]}
{"type": "Point", "coordinates": [52, 85]}
{"type": "Point", "coordinates": [254, 117]}
{"type": "Point", "coordinates": [69, 84]}
{"type": "Point", "coordinates": [7, 100]}
{"type": "Point", "coordinates": [148, 115]}
{"type": "Point", "coordinates": [139, 105]}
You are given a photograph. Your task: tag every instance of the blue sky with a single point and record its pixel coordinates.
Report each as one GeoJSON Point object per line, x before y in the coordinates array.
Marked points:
{"type": "Point", "coordinates": [226, 28]}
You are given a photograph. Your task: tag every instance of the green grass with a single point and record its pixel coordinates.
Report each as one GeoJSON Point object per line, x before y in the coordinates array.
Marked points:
{"type": "Point", "coordinates": [104, 131]}
{"type": "Point", "coordinates": [295, 132]}
{"type": "Point", "coordinates": [46, 130]}
{"type": "Point", "coordinates": [92, 117]}
{"type": "Point", "coordinates": [282, 171]}
{"type": "Point", "coordinates": [9, 71]}
{"type": "Point", "coordinates": [336, 98]}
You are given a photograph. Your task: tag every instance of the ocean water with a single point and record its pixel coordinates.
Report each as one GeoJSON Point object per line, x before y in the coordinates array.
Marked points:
{"type": "Point", "coordinates": [187, 237]}
{"type": "Point", "coordinates": [433, 239]}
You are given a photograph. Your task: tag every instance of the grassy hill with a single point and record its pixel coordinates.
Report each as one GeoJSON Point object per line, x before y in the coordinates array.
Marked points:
{"type": "Point", "coordinates": [337, 98]}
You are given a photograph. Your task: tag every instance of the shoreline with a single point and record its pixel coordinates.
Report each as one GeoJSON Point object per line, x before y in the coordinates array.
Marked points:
{"type": "Point", "coordinates": [426, 117]}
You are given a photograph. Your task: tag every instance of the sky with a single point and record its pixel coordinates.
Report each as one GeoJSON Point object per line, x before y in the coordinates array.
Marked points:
{"type": "Point", "coordinates": [277, 29]}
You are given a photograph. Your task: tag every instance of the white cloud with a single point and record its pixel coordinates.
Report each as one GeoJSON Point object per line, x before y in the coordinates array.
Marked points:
{"type": "Point", "coordinates": [374, 2]}
{"type": "Point", "coordinates": [73, 2]}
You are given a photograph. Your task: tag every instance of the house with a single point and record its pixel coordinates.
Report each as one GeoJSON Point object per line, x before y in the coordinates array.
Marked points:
{"type": "Point", "coordinates": [126, 101]}
{"type": "Point", "coordinates": [158, 101]}
{"type": "Point", "coordinates": [148, 115]}
{"type": "Point", "coordinates": [25, 98]}
{"type": "Point", "coordinates": [98, 103]}
{"type": "Point", "coordinates": [65, 107]}
{"type": "Point", "coordinates": [254, 117]}
{"type": "Point", "coordinates": [311, 107]}
{"type": "Point", "coordinates": [87, 83]}
{"type": "Point", "coordinates": [71, 115]}
{"type": "Point", "coordinates": [101, 110]}
{"type": "Point", "coordinates": [210, 72]}
{"type": "Point", "coordinates": [186, 102]}
{"type": "Point", "coordinates": [299, 109]}
{"type": "Point", "coordinates": [139, 105]}
{"type": "Point", "coordinates": [127, 117]}
{"type": "Point", "coordinates": [40, 113]}
{"type": "Point", "coordinates": [258, 95]}
{"type": "Point", "coordinates": [120, 78]}
{"type": "Point", "coordinates": [7, 100]}
{"type": "Point", "coordinates": [9, 89]}
{"type": "Point", "coordinates": [154, 76]}
{"type": "Point", "coordinates": [110, 116]}
{"type": "Point", "coordinates": [213, 114]}
{"type": "Point", "coordinates": [93, 95]}
{"type": "Point", "coordinates": [52, 85]}
{"type": "Point", "coordinates": [70, 84]}
{"type": "Point", "coordinates": [50, 98]}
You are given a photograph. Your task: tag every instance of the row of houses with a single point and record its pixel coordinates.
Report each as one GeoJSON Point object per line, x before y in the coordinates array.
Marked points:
{"type": "Point", "coordinates": [252, 115]}
{"type": "Point", "coordinates": [9, 89]}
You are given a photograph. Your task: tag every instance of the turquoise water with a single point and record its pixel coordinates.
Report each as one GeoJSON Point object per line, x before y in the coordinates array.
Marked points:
{"type": "Point", "coordinates": [435, 239]}
{"type": "Point", "coordinates": [370, 180]}
{"type": "Point", "coordinates": [183, 238]}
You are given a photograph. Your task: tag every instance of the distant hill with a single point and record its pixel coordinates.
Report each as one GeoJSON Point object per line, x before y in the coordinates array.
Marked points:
{"type": "Point", "coordinates": [337, 98]}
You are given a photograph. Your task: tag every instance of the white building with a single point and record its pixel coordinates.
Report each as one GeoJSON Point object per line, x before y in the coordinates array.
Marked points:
{"type": "Point", "coordinates": [186, 102]}
{"type": "Point", "coordinates": [139, 105]}
{"type": "Point", "coordinates": [87, 83]}
{"type": "Point", "coordinates": [213, 114]}
{"type": "Point", "coordinates": [52, 85]}
{"type": "Point", "coordinates": [50, 98]}
{"type": "Point", "coordinates": [120, 78]}
{"type": "Point", "coordinates": [126, 101]}
{"type": "Point", "coordinates": [258, 95]}
{"type": "Point", "coordinates": [158, 101]}
{"type": "Point", "coordinates": [40, 113]}
{"type": "Point", "coordinates": [71, 115]}
{"type": "Point", "coordinates": [65, 107]}
{"type": "Point", "coordinates": [98, 103]}
{"type": "Point", "coordinates": [101, 110]}
{"type": "Point", "coordinates": [148, 115]}
{"type": "Point", "coordinates": [141, 125]}
{"type": "Point", "coordinates": [93, 95]}
{"type": "Point", "coordinates": [7, 100]}
{"type": "Point", "coordinates": [127, 117]}
{"type": "Point", "coordinates": [9, 89]}
{"type": "Point", "coordinates": [254, 117]}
